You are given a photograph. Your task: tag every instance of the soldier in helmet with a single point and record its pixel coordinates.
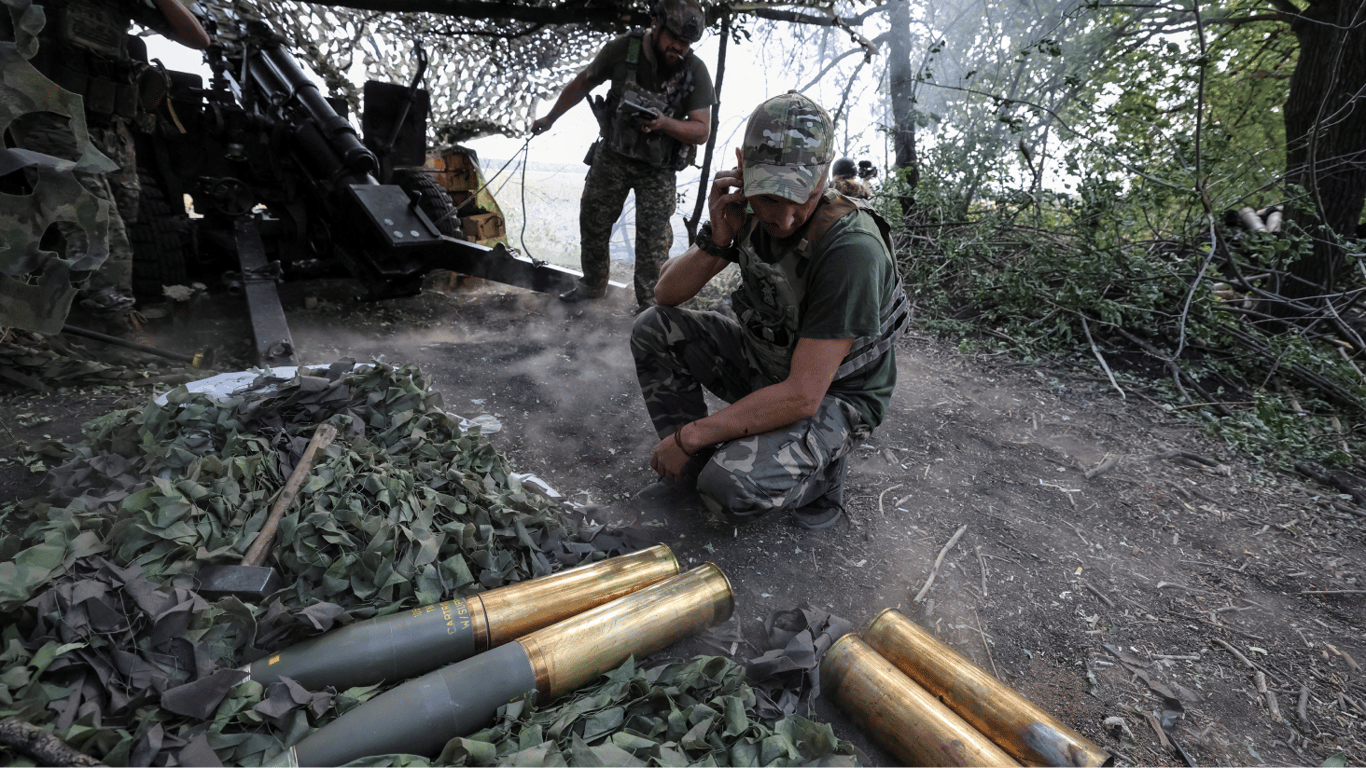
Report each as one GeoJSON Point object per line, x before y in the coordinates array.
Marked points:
{"type": "Point", "coordinates": [83, 47]}
{"type": "Point", "coordinates": [806, 365]}
{"type": "Point", "coordinates": [657, 110]}
{"type": "Point", "coordinates": [847, 181]}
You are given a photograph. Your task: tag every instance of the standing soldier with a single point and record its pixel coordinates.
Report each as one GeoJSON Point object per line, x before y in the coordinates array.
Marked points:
{"type": "Point", "coordinates": [84, 48]}
{"type": "Point", "coordinates": [657, 111]}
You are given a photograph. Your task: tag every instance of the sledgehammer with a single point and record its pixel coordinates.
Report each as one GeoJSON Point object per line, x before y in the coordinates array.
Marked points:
{"type": "Point", "coordinates": [250, 579]}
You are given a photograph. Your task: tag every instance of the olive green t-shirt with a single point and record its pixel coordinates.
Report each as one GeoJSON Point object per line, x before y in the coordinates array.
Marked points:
{"type": "Point", "coordinates": [849, 290]}
{"type": "Point", "coordinates": [610, 63]}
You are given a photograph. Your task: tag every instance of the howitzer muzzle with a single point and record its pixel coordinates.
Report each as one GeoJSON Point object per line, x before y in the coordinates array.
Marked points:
{"type": "Point", "coordinates": [421, 715]}
{"type": "Point", "coordinates": [916, 727]}
{"type": "Point", "coordinates": [413, 642]}
{"type": "Point", "coordinates": [1016, 724]}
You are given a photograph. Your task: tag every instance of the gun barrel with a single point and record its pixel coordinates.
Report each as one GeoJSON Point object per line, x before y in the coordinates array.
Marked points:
{"type": "Point", "coordinates": [1010, 720]}
{"type": "Point", "coordinates": [401, 645]}
{"type": "Point", "coordinates": [421, 715]}
{"type": "Point", "coordinates": [907, 719]}
{"type": "Point", "coordinates": [327, 142]}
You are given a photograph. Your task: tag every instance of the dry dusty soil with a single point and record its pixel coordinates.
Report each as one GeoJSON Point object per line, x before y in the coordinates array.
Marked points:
{"type": "Point", "coordinates": [1102, 556]}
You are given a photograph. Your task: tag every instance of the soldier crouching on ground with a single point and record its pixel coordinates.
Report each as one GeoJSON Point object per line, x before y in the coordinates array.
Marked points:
{"type": "Point", "coordinates": [809, 367]}
{"type": "Point", "coordinates": [83, 47]}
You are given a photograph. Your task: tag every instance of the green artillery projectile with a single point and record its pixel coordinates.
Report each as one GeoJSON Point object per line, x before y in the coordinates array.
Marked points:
{"type": "Point", "coordinates": [413, 642]}
{"type": "Point", "coordinates": [421, 715]}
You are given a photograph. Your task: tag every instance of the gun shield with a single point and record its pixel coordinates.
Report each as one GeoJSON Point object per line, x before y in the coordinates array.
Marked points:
{"type": "Point", "coordinates": [413, 642]}
{"type": "Point", "coordinates": [1010, 720]}
{"type": "Point", "coordinates": [421, 715]}
{"type": "Point", "coordinates": [904, 717]}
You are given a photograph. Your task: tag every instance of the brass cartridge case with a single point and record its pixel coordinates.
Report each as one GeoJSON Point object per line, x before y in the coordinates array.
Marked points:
{"type": "Point", "coordinates": [572, 652]}
{"type": "Point", "coordinates": [1013, 722]}
{"type": "Point", "coordinates": [905, 718]}
{"type": "Point", "coordinates": [413, 642]}
{"type": "Point", "coordinates": [422, 714]}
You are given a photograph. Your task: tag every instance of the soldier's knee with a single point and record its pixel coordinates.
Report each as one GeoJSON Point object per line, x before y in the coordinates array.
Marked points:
{"type": "Point", "coordinates": [730, 496]}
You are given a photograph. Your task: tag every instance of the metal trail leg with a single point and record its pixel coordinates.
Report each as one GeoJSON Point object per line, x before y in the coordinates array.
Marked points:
{"type": "Point", "coordinates": [274, 346]}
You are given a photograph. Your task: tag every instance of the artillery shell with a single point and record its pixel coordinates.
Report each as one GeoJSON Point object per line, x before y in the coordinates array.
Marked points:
{"type": "Point", "coordinates": [1010, 720]}
{"type": "Point", "coordinates": [413, 642]}
{"type": "Point", "coordinates": [421, 715]}
{"type": "Point", "coordinates": [912, 724]}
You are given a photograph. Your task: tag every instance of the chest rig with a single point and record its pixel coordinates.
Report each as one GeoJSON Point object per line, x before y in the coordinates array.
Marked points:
{"type": "Point", "coordinates": [624, 135]}
{"type": "Point", "coordinates": [768, 304]}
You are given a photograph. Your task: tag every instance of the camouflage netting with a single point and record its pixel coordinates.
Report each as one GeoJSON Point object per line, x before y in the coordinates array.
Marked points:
{"type": "Point", "coordinates": [107, 645]}
{"type": "Point", "coordinates": [484, 76]}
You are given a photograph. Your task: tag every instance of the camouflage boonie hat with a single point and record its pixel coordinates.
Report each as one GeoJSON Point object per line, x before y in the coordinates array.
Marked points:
{"type": "Point", "coordinates": [683, 18]}
{"type": "Point", "coordinates": [789, 143]}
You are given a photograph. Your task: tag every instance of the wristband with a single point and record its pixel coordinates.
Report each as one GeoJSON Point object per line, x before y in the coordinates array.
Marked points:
{"type": "Point", "coordinates": [707, 245]}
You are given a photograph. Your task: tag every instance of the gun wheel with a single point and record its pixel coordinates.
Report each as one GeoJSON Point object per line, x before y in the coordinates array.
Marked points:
{"type": "Point", "coordinates": [436, 203]}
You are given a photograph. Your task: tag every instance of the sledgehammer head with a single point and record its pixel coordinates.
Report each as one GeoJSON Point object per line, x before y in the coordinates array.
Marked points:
{"type": "Point", "coordinates": [248, 582]}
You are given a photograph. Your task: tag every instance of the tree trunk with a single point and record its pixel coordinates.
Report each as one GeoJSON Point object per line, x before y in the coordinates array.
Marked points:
{"type": "Point", "coordinates": [901, 96]}
{"type": "Point", "coordinates": [1325, 128]}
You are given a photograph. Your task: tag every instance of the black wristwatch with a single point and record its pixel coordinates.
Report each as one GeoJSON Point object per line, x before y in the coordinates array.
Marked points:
{"type": "Point", "coordinates": [707, 245]}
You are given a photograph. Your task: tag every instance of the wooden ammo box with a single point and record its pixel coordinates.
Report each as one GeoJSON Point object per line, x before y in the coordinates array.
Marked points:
{"type": "Point", "coordinates": [454, 170]}
{"type": "Point", "coordinates": [482, 226]}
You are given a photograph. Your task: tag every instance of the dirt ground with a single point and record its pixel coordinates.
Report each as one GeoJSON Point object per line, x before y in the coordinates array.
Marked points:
{"type": "Point", "coordinates": [1101, 556]}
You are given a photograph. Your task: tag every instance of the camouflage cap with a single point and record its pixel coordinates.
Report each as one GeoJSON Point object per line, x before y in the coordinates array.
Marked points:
{"type": "Point", "coordinates": [789, 142]}
{"type": "Point", "coordinates": [683, 18]}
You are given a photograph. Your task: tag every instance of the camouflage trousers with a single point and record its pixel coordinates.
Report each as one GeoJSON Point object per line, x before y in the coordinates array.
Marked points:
{"type": "Point", "coordinates": [609, 180]}
{"type": "Point", "coordinates": [49, 134]}
{"type": "Point", "coordinates": [679, 353]}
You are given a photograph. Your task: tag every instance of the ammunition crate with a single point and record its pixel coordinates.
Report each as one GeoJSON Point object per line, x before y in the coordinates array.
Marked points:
{"type": "Point", "coordinates": [454, 171]}
{"type": "Point", "coordinates": [482, 226]}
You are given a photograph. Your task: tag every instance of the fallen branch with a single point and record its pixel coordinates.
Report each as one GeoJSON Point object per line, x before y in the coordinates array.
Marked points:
{"type": "Point", "coordinates": [1101, 358]}
{"type": "Point", "coordinates": [1236, 653]}
{"type": "Point", "coordinates": [882, 512]}
{"type": "Point", "coordinates": [1271, 704]}
{"type": "Point", "coordinates": [40, 745]}
{"type": "Point", "coordinates": [1187, 455]}
{"type": "Point", "coordinates": [1101, 595]}
{"type": "Point", "coordinates": [937, 561]}
{"type": "Point", "coordinates": [1332, 480]}
{"type": "Point", "coordinates": [1106, 464]}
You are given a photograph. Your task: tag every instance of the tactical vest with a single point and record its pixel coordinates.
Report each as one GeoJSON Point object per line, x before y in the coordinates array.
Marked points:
{"type": "Point", "coordinates": [84, 49]}
{"type": "Point", "coordinates": [623, 134]}
{"type": "Point", "coordinates": [768, 302]}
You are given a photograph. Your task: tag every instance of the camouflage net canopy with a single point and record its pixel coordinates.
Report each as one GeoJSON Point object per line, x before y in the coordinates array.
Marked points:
{"type": "Point", "coordinates": [485, 75]}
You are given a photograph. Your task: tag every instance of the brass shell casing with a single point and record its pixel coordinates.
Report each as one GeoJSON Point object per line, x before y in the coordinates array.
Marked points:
{"type": "Point", "coordinates": [507, 613]}
{"type": "Point", "coordinates": [413, 642]}
{"type": "Point", "coordinates": [912, 724]}
{"type": "Point", "coordinates": [1015, 723]}
{"type": "Point", "coordinates": [569, 654]}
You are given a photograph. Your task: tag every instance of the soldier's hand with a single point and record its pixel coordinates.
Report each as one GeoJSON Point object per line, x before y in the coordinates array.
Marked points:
{"type": "Point", "coordinates": [652, 124]}
{"type": "Point", "coordinates": [541, 126]}
{"type": "Point", "coordinates": [669, 460]}
{"type": "Point", "coordinates": [726, 203]}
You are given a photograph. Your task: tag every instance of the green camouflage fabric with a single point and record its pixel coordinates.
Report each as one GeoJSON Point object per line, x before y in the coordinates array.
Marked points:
{"type": "Point", "coordinates": [37, 287]}
{"type": "Point", "coordinates": [679, 353]}
{"type": "Point", "coordinates": [609, 180]}
{"type": "Point", "coordinates": [789, 142]}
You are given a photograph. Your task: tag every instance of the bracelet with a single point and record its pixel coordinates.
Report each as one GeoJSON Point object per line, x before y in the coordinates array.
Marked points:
{"type": "Point", "coordinates": [679, 439]}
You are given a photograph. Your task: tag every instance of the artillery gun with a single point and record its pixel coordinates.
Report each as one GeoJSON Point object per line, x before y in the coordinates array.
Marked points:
{"type": "Point", "coordinates": [283, 181]}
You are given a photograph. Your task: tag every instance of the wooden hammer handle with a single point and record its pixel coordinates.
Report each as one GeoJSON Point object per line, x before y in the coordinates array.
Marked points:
{"type": "Point", "coordinates": [322, 437]}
